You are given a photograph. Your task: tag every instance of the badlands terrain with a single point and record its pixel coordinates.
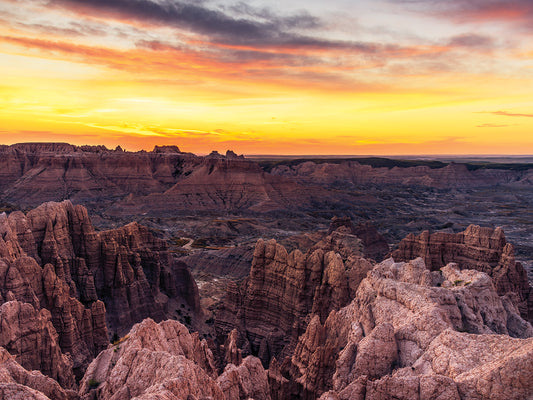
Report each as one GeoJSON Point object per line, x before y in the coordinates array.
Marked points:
{"type": "Point", "coordinates": [167, 275]}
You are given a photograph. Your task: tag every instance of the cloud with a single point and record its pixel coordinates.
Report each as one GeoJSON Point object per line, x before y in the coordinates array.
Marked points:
{"type": "Point", "coordinates": [461, 11]}
{"type": "Point", "coordinates": [240, 41]}
{"type": "Point", "coordinates": [238, 24]}
{"type": "Point", "coordinates": [492, 126]}
{"type": "Point", "coordinates": [472, 40]}
{"type": "Point", "coordinates": [507, 114]}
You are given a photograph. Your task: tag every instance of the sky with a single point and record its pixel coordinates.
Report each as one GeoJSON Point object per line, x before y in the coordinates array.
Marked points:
{"type": "Point", "coordinates": [381, 77]}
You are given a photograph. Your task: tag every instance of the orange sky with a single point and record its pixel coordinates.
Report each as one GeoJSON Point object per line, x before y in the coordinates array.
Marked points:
{"type": "Point", "coordinates": [378, 77]}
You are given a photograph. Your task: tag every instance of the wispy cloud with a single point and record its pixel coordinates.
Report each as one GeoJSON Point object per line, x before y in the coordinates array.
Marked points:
{"type": "Point", "coordinates": [464, 11]}
{"type": "Point", "coordinates": [507, 114]}
{"type": "Point", "coordinates": [294, 66]}
{"type": "Point", "coordinates": [472, 40]}
{"type": "Point", "coordinates": [492, 126]}
{"type": "Point", "coordinates": [239, 24]}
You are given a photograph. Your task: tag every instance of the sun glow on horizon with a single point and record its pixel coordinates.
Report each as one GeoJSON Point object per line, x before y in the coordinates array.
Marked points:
{"type": "Point", "coordinates": [276, 82]}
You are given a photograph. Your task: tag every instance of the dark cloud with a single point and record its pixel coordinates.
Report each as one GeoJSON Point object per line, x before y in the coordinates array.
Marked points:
{"type": "Point", "coordinates": [238, 24]}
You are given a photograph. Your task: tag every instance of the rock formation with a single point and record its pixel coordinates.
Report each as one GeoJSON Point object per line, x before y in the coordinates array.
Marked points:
{"type": "Point", "coordinates": [156, 361]}
{"type": "Point", "coordinates": [437, 334]}
{"type": "Point", "coordinates": [271, 308]}
{"type": "Point", "coordinates": [32, 173]}
{"type": "Point", "coordinates": [156, 182]}
{"type": "Point", "coordinates": [352, 172]}
{"type": "Point", "coordinates": [30, 335]}
{"type": "Point", "coordinates": [482, 249]}
{"type": "Point", "coordinates": [18, 383]}
{"type": "Point", "coordinates": [236, 184]}
{"type": "Point", "coordinates": [62, 272]}
{"type": "Point", "coordinates": [374, 245]}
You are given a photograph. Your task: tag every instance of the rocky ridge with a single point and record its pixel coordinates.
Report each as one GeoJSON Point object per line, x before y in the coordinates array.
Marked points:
{"type": "Point", "coordinates": [32, 173]}
{"type": "Point", "coordinates": [415, 334]}
{"type": "Point", "coordinates": [133, 183]}
{"type": "Point", "coordinates": [398, 318]}
{"type": "Point", "coordinates": [327, 324]}
{"type": "Point", "coordinates": [271, 308]}
{"type": "Point", "coordinates": [408, 333]}
{"type": "Point", "coordinates": [450, 176]}
{"type": "Point", "coordinates": [165, 361]}
{"type": "Point", "coordinates": [482, 249]}
{"type": "Point", "coordinates": [57, 272]}
{"type": "Point", "coordinates": [18, 383]}
{"type": "Point", "coordinates": [233, 183]}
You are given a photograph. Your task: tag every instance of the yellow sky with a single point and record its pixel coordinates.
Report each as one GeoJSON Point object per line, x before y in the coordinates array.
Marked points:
{"type": "Point", "coordinates": [106, 75]}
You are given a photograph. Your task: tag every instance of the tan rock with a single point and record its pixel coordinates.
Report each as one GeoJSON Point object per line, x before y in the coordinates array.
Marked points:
{"type": "Point", "coordinates": [400, 317]}
{"type": "Point", "coordinates": [482, 249]}
{"type": "Point", "coordinates": [248, 380]}
{"type": "Point", "coordinates": [165, 361]}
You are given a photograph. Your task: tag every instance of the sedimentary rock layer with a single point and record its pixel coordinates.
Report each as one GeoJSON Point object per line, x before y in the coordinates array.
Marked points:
{"type": "Point", "coordinates": [271, 308]}
{"type": "Point", "coordinates": [483, 249]}
{"type": "Point", "coordinates": [155, 182]}
{"type": "Point", "coordinates": [31, 173]}
{"type": "Point", "coordinates": [165, 361]}
{"type": "Point", "coordinates": [450, 176]}
{"type": "Point", "coordinates": [415, 334]}
{"type": "Point", "coordinates": [61, 271]}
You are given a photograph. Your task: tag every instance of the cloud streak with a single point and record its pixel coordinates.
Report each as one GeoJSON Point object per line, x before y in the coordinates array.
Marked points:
{"type": "Point", "coordinates": [239, 24]}
{"type": "Point", "coordinates": [492, 126]}
{"type": "Point", "coordinates": [465, 11]}
{"type": "Point", "coordinates": [507, 114]}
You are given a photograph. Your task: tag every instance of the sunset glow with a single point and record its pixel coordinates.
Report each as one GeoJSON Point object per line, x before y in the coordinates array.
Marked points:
{"type": "Point", "coordinates": [262, 77]}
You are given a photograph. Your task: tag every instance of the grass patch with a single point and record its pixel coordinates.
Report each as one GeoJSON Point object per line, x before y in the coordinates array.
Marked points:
{"type": "Point", "coordinates": [93, 383]}
{"type": "Point", "coordinates": [120, 340]}
{"type": "Point", "coordinates": [199, 243]}
{"type": "Point", "coordinates": [179, 241]}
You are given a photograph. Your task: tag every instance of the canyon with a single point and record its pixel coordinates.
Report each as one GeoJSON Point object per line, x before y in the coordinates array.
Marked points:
{"type": "Point", "coordinates": [166, 275]}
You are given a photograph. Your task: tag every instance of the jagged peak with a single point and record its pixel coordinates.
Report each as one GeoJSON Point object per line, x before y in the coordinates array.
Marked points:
{"type": "Point", "coordinates": [166, 149]}
{"type": "Point", "coordinates": [233, 155]}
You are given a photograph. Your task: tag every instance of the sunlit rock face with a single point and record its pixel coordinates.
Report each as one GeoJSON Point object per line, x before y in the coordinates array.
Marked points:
{"type": "Point", "coordinates": [165, 361]}
{"type": "Point", "coordinates": [413, 333]}
{"type": "Point", "coordinates": [483, 249]}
